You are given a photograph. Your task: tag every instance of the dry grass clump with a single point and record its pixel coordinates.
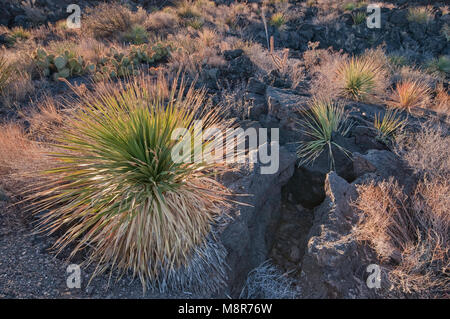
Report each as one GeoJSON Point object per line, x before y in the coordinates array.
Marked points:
{"type": "Point", "coordinates": [421, 15]}
{"type": "Point", "coordinates": [193, 53]}
{"type": "Point", "coordinates": [409, 234]}
{"type": "Point", "coordinates": [441, 102]}
{"type": "Point", "coordinates": [361, 78]}
{"type": "Point", "coordinates": [268, 282]}
{"type": "Point", "coordinates": [118, 189]}
{"type": "Point", "coordinates": [426, 151]}
{"type": "Point", "coordinates": [112, 19]}
{"type": "Point", "coordinates": [16, 69]}
{"type": "Point", "coordinates": [5, 73]}
{"type": "Point", "coordinates": [20, 158]}
{"type": "Point", "coordinates": [161, 20]}
{"type": "Point", "coordinates": [410, 94]}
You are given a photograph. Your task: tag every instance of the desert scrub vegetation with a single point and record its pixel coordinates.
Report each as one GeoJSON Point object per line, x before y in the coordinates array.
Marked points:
{"type": "Point", "coordinates": [112, 20]}
{"type": "Point", "coordinates": [409, 234]}
{"type": "Point", "coordinates": [278, 20]}
{"type": "Point", "coordinates": [117, 189]}
{"type": "Point", "coordinates": [360, 78]}
{"type": "Point", "coordinates": [5, 73]}
{"type": "Point", "coordinates": [426, 151]}
{"type": "Point", "coordinates": [267, 281]}
{"type": "Point", "coordinates": [387, 126]}
{"type": "Point", "coordinates": [440, 65]}
{"type": "Point", "coordinates": [320, 124]}
{"type": "Point", "coordinates": [421, 15]}
{"type": "Point", "coordinates": [64, 65]}
{"type": "Point", "coordinates": [410, 94]}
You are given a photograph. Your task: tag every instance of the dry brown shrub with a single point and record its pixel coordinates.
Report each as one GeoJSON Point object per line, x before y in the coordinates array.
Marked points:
{"type": "Point", "coordinates": [111, 19]}
{"type": "Point", "coordinates": [441, 101]}
{"type": "Point", "coordinates": [20, 158]}
{"type": "Point", "coordinates": [427, 152]}
{"type": "Point", "coordinates": [409, 235]}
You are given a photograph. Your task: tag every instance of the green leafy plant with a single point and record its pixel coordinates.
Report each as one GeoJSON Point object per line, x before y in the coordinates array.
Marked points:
{"type": "Point", "coordinates": [388, 125]}
{"type": "Point", "coordinates": [62, 65]}
{"type": "Point", "coordinates": [117, 189]}
{"type": "Point", "coordinates": [320, 124]}
{"type": "Point", "coordinates": [359, 76]}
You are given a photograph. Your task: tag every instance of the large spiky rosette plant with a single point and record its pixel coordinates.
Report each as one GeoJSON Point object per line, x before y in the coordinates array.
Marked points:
{"type": "Point", "coordinates": [116, 188]}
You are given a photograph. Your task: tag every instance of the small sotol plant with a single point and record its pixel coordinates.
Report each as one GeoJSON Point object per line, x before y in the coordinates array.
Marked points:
{"type": "Point", "coordinates": [321, 123]}
{"type": "Point", "coordinates": [387, 126]}
{"type": "Point", "coordinates": [117, 188]}
{"type": "Point", "coordinates": [360, 77]}
{"type": "Point", "coordinates": [278, 20]}
{"type": "Point", "coordinates": [410, 94]}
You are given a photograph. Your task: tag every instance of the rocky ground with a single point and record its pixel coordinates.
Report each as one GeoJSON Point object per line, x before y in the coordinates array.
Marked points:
{"type": "Point", "coordinates": [300, 218]}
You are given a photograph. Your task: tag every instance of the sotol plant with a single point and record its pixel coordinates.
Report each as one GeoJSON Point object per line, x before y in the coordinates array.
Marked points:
{"type": "Point", "coordinates": [117, 189]}
{"type": "Point", "coordinates": [360, 77]}
{"type": "Point", "coordinates": [320, 123]}
{"type": "Point", "coordinates": [387, 126]}
{"type": "Point", "coordinates": [410, 94]}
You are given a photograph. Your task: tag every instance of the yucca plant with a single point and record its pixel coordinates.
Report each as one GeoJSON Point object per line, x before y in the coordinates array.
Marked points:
{"type": "Point", "coordinates": [358, 17]}
{"type": "Point", "coordinates": [116, 187]}
{"type": "Point", "coordinates": [320, 123]}
{"type": "Point", "coordinates": [278, 20]}
{"type": "Point", "coordinates": [5, 73]}
{"type": "Point", "coordinates": [388, 125]}
{"type": "Point", "coordinates": [359, 77]}
{"type": "Point", "coordinates": [409, 94]}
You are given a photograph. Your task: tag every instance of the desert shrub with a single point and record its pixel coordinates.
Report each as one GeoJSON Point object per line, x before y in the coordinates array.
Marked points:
{"type": "Point", "coordinates": [441, 102]}
{"type": "Point", "coordinates": [16, 169]}
{"type": "Point", "coordinates": [136, 35]}
{"type": "Point", "coordinates": [278, 20]}
{"type": "Point", "coordinates": [446, 32]}
{"type": "Point", "coordinates": [358, 17]}
{"type": "Point", "coordinates": [161, 20]}
{"type": "Point", "coordinates": [118, 189]}
{"type": "Point", "coordinates": [112, 19]}
{"type": "Point", "coordinates": [320, 123]}
{"type": "Point", "coordinates": [361, 77]}
{"type": "Point", "coordinates": [441, 65]}
{"type": "Point", "coordinates": [17, 34]}
{"type": "Point", "coordinates": [388, 126]}
{"type": "Point", "coordinates": [410, 94]}
{"type": "Point", "coordinates": [268, 282]}
{"type": "Point", "coordinates": [426, 151]}
{"type": "Point", "coordinates": [5, 73]}
{"type": "Point", "coordinates": [408, 234]}
{"type": "Point", "coordinates": [420, 15]}
{"type": "Point", "coordinates": [188, 10]}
